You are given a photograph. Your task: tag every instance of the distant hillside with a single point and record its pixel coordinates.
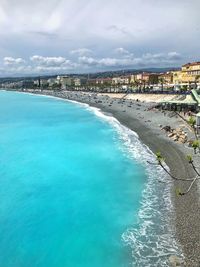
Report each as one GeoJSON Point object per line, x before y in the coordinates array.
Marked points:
{"type": "Point", "coordinates": [128, 72]}
{"type": "Point", "coordinates": [94, 75]}
{"type": "Point", "coordinates": [157, 70]}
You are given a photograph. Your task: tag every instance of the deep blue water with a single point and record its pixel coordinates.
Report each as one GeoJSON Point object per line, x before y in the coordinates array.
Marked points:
{"type": "Point", "coordinates": [68, 187]}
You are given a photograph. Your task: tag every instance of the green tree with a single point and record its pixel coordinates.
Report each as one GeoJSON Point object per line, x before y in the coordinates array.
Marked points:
{"type": "Point", "coordinates": [196, 146]}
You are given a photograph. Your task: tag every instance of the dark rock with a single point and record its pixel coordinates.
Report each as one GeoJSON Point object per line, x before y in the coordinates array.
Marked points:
{"type": "Point", "coordinates": [167, 128]}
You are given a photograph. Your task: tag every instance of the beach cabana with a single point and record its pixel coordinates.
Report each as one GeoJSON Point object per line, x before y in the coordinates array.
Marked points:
{"type": "Point", "coordinates": [181, 105]}
{"type": "Point", "coordinates": [196, 96]}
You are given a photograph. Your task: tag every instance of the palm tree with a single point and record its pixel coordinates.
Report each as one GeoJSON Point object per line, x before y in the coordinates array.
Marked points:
{"type": "Point", "coordinates": [161, 80]}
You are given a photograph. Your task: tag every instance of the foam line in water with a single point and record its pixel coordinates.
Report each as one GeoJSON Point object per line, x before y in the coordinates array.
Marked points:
{"type": "Point", "coordinates": [153, 240]}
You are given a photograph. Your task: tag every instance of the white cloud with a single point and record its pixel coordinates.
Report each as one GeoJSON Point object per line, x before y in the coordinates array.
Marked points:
{"type": "Point", "coordinates": [160, 59]}
{"type": "Point", "coordinates": [13, 61]}
{"type": "Point", "coordinates": [108, 62]}
{"type": "Point", "coordinates": [174, 55]}
{"type": "Point", "coordinates": [136, 27]}
{"type": "Point", "coordinates": [164, 58]}
{"type": "Point", "coordinates": [121, 50]}
{"type": "Point", "coordinates": [88, 61]}
{"type": "Point", "coordinates": [118, 30]}
{"type": "Point", "coordinates": [124, 53]}
{"type": "Point", "coordinates": [50, 65]}
{"type": "Point", "coordinates": [49, 61]}
{"type": "Point", "coordinates": [81, 52]}
{"type": "Point", "coordinates": [38, 64]}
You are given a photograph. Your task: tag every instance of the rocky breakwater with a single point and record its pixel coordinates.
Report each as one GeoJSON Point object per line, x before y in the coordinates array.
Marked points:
{"type": "Point", "coordinates": [177, 135]}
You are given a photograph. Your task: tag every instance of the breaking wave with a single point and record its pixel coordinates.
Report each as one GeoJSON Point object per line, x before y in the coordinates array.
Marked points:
{"type": "Point", "coordinates": [153, 239]}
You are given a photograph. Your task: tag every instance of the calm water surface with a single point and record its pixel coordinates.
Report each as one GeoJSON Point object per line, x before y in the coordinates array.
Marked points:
{"type": "Point", "coordinates": [68, 189]}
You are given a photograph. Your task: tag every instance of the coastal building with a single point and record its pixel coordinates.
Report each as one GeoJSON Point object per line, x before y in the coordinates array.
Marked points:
{"type": "Point", "coordinates": [77, 82]}
{"type": "Point", "coordinates": [99, 81]}
{"type": "Point", "coordinates": [58, 79]}
{"type": "Point", "coordinates": [133, 79]}
{"type": "Point", "coordinates": [105, 81]}
{"type": "Point", "coordinates": [36, 83]}
{"type": "Point", "coordinates": [83, 81]}
{"type": "Point", "coordinates": [91, 82]}
{"type": "Point", "coordinates": [122, 80]}
{"type": "Point", "coordinates": [65, 81]}
{"type": "Point", "coordinates": [144, 78]}
{"type": "Point", "coordinates": [150, 78]}
{"type": "Point", "coordinates": [27, 84]}
{"type": "Point", "coordinates": [52, 82]}
{"type": "Point", "coordinates": [191, 72]}
{"type": "Point", "coordinates": [12, 85]}
{"type": "Point", "coordinates": [166, 78]}
{"type": "Point", "coordinates": [139, 77]}
{"type": "Point", "coordinates": [177, 77]}
{"type": "Point", "coordinates": [116, 80]}
{"type": "Point", "coordinates": [189, 75]}
{"type": "Point", "coordinates": [125, 80]}
{"type": "Point", "coordinates": [44, 83]}
{"type": "Point", "coordinates": [136, 78]}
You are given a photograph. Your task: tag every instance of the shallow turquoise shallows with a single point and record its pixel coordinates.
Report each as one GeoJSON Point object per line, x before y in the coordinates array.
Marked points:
{"type": "Point", "coordinates": [68, 189]}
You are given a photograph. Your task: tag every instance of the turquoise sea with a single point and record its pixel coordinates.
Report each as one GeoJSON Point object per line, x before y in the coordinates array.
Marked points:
{"type": "Point", "coordinates": [75, 189]}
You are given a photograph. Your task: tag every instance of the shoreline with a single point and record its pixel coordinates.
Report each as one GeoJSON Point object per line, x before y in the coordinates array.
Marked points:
{"type": "Point", "coordinates": [187, 221]}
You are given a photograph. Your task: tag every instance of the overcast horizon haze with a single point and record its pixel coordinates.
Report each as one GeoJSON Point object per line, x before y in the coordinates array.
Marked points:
{"type": "Point", "coordinates": [81, 36]}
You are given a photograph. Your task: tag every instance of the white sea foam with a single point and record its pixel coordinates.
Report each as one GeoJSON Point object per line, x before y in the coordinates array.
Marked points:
{"type": "Point", "coordinates": [153, 240]}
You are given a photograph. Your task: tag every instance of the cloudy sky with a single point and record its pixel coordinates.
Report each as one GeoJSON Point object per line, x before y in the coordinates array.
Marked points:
{"type": "Point", "coordinates": [65, 36]}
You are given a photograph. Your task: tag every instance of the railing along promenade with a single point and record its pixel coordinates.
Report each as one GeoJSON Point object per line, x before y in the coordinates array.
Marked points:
{"type": "Point", "coordinates": [105, 90]}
